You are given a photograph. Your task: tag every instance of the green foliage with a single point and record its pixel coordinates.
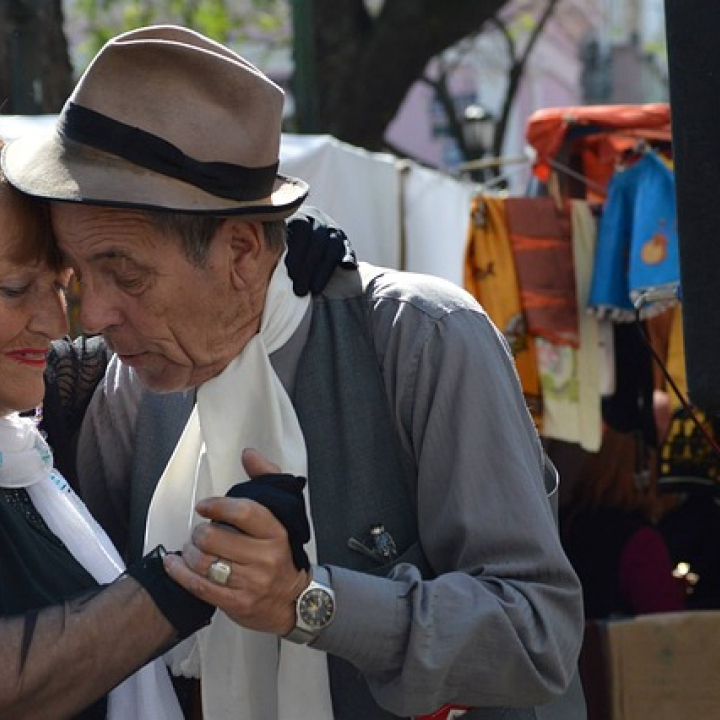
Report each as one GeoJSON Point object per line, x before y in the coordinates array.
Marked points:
{"type": "Point", "coordinates": [211, 19]}
{"type": "Point", "coordinates": [521, 26]}
{"type": "Point", "coordinates": [264, 22]}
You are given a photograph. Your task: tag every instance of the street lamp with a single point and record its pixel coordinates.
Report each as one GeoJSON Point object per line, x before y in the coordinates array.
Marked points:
{"type": "Point", "coordinates": [478, 129]}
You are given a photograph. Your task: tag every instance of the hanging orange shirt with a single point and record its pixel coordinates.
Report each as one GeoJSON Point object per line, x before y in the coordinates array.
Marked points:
{"type": "Point", "coordinates": [490, 276]}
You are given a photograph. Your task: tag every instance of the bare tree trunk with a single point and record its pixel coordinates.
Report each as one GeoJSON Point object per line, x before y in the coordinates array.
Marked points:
{"type": "Point", "coordinates": [35, 70]}
{"type": "Point", "coordinates": [364, 65]}
{"type": "Point", "coordinates": [517, 69]}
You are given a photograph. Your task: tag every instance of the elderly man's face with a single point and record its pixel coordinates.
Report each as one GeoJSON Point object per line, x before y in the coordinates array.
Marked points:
{"type": "Point", "coordinates": [175, 323]}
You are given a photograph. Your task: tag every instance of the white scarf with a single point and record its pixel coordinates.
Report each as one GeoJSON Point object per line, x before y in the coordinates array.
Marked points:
{"type": "Point", "coordinates": [26, 462]}
{"type": "Point", "coordinates": [246, 675]}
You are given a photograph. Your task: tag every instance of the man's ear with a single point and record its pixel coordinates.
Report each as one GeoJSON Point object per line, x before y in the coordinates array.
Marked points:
{"type": "Point", "coordinates": [244, 244]}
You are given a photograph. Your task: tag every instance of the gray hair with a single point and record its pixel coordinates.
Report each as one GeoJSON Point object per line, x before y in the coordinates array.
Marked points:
{"type": "Point", "coordinates": [197, 231]}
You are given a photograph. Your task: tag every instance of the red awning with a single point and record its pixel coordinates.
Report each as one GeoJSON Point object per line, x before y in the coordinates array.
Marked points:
{"type": "Point", "coordinates": [620, 125]}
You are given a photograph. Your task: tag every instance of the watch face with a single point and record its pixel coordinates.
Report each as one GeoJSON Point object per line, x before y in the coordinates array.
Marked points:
{"type": "Point", "coordinates": [316, 608]}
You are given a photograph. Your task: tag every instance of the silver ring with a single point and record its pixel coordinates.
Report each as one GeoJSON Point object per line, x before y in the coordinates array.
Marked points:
{"type": "Point", "coordinates": [219, 572]}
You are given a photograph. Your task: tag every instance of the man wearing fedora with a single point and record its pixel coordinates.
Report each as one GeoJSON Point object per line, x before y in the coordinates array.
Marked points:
{"type": "Point", "coordinates": [435, 577]}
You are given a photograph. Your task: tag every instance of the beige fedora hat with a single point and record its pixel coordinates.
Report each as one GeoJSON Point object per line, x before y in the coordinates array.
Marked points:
{"type": "Point", "coordinates": [163, 118]}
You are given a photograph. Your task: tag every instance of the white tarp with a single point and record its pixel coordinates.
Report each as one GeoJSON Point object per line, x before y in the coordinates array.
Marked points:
{"type": "Point", "coordinates": [396, 214]}
{"type": "Point", "coordinates": [358, 189]}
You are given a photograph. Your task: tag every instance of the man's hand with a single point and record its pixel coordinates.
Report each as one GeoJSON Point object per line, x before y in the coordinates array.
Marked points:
{"type": "Point", "coordinates": [264, 582]}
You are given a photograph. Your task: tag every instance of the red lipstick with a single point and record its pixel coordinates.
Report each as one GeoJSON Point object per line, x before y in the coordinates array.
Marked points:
{"type": "Point", "coordinates": [33, 356]}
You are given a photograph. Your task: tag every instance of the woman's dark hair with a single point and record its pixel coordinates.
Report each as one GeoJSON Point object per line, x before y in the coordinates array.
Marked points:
{"type": "Point", "coordinates": [38, 240]}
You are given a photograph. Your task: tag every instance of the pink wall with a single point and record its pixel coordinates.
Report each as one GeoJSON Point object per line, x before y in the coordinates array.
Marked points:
{"type": "Point", "coordinates": [552, 79]}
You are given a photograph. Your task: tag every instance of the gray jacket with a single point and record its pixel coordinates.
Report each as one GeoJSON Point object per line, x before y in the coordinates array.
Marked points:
{"type": "Point", "coordinates": [414, 420]}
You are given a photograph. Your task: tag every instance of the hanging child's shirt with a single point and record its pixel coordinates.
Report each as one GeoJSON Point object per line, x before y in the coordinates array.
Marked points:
{"type": "Point", "coordinates": [637, 244]}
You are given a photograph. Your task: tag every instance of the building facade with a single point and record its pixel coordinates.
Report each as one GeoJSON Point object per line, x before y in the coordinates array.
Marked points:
{"type": "Point", "coordinates": [589, 52]}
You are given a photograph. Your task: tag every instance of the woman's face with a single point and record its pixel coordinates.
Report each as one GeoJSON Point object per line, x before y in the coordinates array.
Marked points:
{"type": "Point", "coordinates": [32, 308]}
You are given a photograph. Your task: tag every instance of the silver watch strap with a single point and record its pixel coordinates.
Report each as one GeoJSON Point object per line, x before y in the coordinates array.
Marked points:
{"type": "Point", "coordinates": [299, 636]}
{"type": "Point", "coordinates": [320, 575]}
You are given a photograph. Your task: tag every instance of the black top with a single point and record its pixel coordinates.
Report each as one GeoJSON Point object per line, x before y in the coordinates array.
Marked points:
{"type": "Point", "coordinates": [594, 542]}
{"type": "Point", "coordinates": [692, 533]}
{"type": "Point", "coordinates": [74, 370]}
{"type": "Point", "coordinates": [36, 569]}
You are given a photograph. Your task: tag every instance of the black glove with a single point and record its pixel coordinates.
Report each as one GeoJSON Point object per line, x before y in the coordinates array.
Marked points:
{"type": "Point", "coordinates": [282, 495]}
{"type": "Point", "coordinates": [186, 613]}
{"type": "Point", "coordinates": [316, 246]}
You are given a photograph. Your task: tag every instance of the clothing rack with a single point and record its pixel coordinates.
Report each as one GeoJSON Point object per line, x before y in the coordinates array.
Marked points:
{"type": "Point", "coordinates": [485, 163]}
{"type": "Point", "coordinates": [528, 157]}
{"type": "Point", "coordinates": [560, 167]}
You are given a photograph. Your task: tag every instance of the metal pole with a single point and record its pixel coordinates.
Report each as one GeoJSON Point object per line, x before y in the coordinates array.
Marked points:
{"type": "Point", "coordinates": [304, 78]}
{"type": "Point", "coordinates": [25, 81]}
{"type": "Point", "coordinates": [692, 39]}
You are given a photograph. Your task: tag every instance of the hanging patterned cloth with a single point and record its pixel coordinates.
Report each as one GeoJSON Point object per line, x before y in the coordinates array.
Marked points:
{"type": "Point", "coordinates": [491, 277]}
{"type": "Point", "coordinates": [541, 240]}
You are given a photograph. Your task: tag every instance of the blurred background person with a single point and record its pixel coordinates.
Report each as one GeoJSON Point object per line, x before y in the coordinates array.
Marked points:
{"type": "Point", "coordinates": [609, 533]}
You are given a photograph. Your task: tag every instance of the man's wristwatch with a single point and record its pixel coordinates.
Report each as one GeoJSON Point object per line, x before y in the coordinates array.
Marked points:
{"type": "Point", "coordinates": [314, 608]}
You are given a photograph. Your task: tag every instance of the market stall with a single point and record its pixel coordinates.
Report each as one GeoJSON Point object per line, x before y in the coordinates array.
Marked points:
{"type": "Point", "coordinates": [583, 278]}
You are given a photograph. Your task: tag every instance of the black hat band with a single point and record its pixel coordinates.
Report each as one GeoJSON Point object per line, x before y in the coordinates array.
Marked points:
{"type": "Point", "coordinates": [226, 180]}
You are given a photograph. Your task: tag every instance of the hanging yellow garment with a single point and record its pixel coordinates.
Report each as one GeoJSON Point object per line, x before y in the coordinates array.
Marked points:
{"type": "Point", "coordinates": [490, 276]}
{"type": "Point", "coordinates": [676, 354]}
